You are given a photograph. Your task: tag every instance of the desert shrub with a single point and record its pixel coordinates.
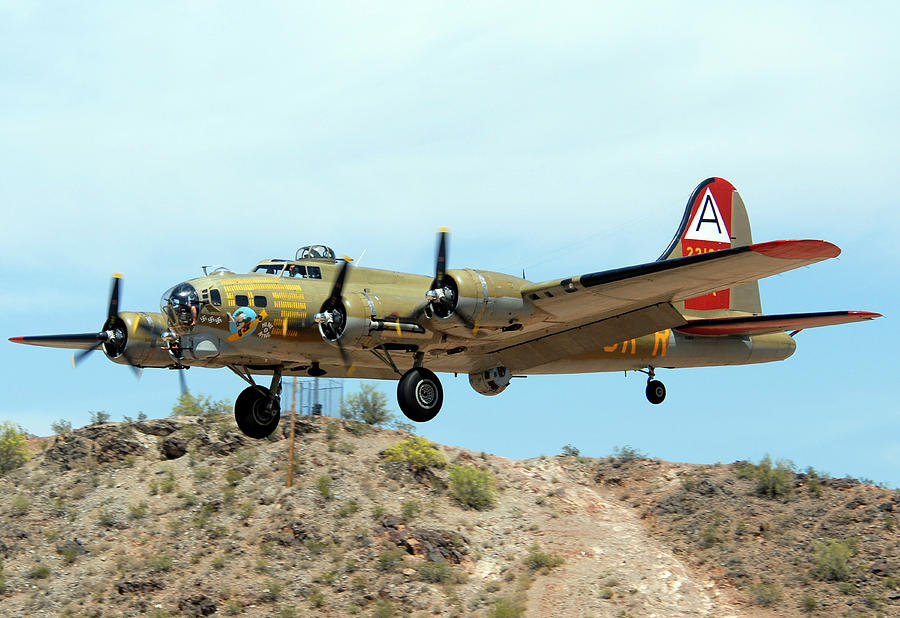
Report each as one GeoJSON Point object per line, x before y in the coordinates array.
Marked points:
{"type": "Point", "coordinates": [415, 452]}
{"type": "Point", "coordinates": [20, 505]}
{"type": "Point", "coordinates": [808, 604]}
{"type": "Point", "coordinates": [410, 509]}
{"type": "Point", "coordinates": [200, 405]}
{"type": "Point", "coordinates": [107, 518]}
{"type": "Point", "coordinates": [38, 571]}
{"type": "Point", "coordinates": [383, 609]}
{"type": "Point", "coordinates": [627, 453]}
{"type": "Point", "coordinates": [765, 594]}
{"type": "Point", "coordinates": [538, 560]}
{"type": "Point", "coordinates": [13, 447]}
{"type": "Point", "coordinates": [138, 511]}
{"type": "Point", "coordinates": [832, 559]}
{"type": "Point", "coordinates": [99, 416]}
{"type": "Point", "coordinates": [167, 484]}
{"type": "Point", "coordinates": [323, 484]}
{"type": "Point", "coordinates": [61, 427]}
{"type": "Point", "coordinates": [472, 486]}
{"type": "Point", "coordinates": [391, 558]}
{"type": "Point", "coordinates": [435, 572]}
{"type": "Point", "coordinates": [573, 451]}
{"type": "Point", "coordinates": [349, 508]}
{"type": "Point", "coordinates": [369, 405]}
{"type": "Point", "coordinates": [504, 608]}
{"type": "Point", "coordinates": [772, 481]}
{"type": "Point", "coordinates": [233, 476]}
{"type": "Point", "coordinates": [160, 562]}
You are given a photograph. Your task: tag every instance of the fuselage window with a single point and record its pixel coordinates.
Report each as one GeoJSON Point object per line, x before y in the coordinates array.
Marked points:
{"type": "Point", "coordinates": [259, 301]}
{"type": "Point", "coordinates": [241, 300]}
{"type": "Point", "coordinates": [215, 297]}
{"type": "Point", "coordinates": [314, 272]}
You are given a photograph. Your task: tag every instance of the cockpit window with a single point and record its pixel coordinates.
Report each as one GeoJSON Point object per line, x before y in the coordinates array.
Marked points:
{"type": "Point", "coordinates": [181, 304]}
{"type": "Point", "coordinates": [314, 272]}
{"type": "Point", "coordinates": [269, 269]}
{"type": "Point", "coordinates": [295, 270]}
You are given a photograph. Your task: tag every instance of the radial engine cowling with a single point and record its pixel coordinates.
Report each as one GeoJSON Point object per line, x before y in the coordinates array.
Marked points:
{"type": "Point", "coordinates": [354, 320]}
{"type": "Point", "coordinates": [488, 299]}
{"type": "Point", "coordinates": [134, 338]}
{"type": "Point", "coordinates": [491, 382]}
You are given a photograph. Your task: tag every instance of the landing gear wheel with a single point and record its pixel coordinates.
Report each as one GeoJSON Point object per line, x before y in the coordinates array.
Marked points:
{"type": "Point", "coordinates": [656, 391]}
{"type": "Point", "coordinates": [257, 412]}
{"type": "Point", "coordinates": [420, 394]}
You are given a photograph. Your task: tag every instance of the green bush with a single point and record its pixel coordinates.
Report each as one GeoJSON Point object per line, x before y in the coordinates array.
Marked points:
{"type": "Point", "coordinates": [99, 416]}
{"type": "Point", "coordinates": [765, 594]}
{"type": "Point", "coordinates": [415, 452]}
{"type": "Point", "coordinates": [832, 559]}
{"type": "Point", "coordinates": [537, 560]}
{"type": "Point", "coordinates": [472, 486]}
{"type": "Point", "coordinates": [13, 447]}
{"type": "Point", "coordinates": [20, 505]}
{"type": "Point", "coordinates": [200, 405]}
{"type": "Point", "coordinates": [390, 559]}
{"type": "Point", "coordinates": [504, 608]}
{"type": "Point", "coordinates": [61, 427]}
{"type": "Point", "coordinates": [369, 406]}
{"type": "Point", "coordinates": [772, 481]}
{"type": "Point", "coordinates": [323, 484]}
{"type": "Point", "coordinates": [435, 572]}
{"type": "Point", "coordinates": [38, 571]}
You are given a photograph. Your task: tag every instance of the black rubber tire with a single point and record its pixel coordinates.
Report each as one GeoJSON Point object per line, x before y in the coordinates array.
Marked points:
{"type": "Point", "coordinates": [256, 412]}
{"type": "Point", "coordinates": [656, 391]}
{"type": "Point", "coordinates": [420, 394]}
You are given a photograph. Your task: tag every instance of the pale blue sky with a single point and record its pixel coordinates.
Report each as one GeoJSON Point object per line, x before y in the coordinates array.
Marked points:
{"type": "Point", "coordinates": [151, 139]}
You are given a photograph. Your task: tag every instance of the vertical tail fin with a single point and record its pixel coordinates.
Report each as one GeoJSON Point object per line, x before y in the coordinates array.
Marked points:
{"type": "Point", "coordinates": [715, 218]}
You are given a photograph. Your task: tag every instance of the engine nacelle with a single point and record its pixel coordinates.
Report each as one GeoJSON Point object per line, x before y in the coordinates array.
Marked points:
{"type": "Point", "coordinates": [363, 315]}
{"type": "Point", "coordinates": [491, 382]}
{"type": "Point", "coordinates": [488, 299]}
{"type": "Point", "coordinates": [137, 340]}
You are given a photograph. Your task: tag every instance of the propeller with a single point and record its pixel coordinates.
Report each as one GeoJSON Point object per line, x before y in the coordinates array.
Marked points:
{"type": "Point", "coordinates": [332, 317]}
{"type": "Point", "coordinates": [114, 335]}
{"type": "Point", "coordinates": [442, 296]}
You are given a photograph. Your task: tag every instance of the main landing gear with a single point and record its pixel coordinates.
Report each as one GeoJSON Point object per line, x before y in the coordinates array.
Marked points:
{"type": "Point", "coordinates": [420, 394]}
{"type": "Point", "coordinates": [258, 409]}
{"type": "Point", "coordinates": [656, 390]}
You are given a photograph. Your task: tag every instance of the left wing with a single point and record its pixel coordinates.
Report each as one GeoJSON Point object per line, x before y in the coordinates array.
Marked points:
{"type": "Point", "coordinates": [606, 307]}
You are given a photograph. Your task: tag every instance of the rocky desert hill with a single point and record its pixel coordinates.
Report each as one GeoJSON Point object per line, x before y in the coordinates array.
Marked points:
{"type": "Point", "coordinates": [184, 516]}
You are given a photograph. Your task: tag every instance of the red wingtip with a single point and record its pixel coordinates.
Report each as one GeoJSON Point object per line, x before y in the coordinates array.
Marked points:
{"type": "Point", "coordinates": [797, 249]}
{"type": "Point", "coordinates": [17, 339]}
{"type": "Point", "coordinates": [866, 315]}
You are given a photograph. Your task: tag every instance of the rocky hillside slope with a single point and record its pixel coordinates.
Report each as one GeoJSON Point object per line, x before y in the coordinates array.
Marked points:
{"type": "Point", "coordinates": [184, 516]}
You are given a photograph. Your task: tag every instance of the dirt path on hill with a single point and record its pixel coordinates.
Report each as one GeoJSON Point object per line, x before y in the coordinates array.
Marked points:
{"type": "Point", "coordinates": [609, 554]}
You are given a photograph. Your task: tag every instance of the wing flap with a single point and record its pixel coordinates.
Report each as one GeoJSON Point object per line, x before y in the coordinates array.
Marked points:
{"type": "Point", "coordinates": [589, 337]}
{"type": "Point", "coordinates": [762, 324]}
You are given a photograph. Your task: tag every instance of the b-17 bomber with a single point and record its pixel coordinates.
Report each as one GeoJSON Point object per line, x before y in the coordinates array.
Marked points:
{"type": "Point", "coordinates": [697, 305]}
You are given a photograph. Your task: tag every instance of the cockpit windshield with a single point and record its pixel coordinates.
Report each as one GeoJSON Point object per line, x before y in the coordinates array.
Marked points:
{"type": "Point", "coordinates": [269, 269]}
{"type": "Point", "coordinates": [180, 304]}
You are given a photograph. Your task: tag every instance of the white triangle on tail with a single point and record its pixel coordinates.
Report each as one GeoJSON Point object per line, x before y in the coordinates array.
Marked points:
{"type": "Point", "coordinates": [707, 223]}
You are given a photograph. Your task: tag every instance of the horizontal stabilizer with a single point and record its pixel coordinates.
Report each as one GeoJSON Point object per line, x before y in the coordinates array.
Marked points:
{"type": "Point", "coordinates": [82, 341]}
{"type": "Point", "coordinates": [762, 324]}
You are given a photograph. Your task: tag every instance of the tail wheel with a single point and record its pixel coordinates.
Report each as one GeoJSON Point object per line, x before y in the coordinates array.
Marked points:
{"type": "Point", "coordinates": [420, 394]}
{"type": "Point", "coordinates": [656, 391]}
{"type": "Point", "coordinates": [257, 412]}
